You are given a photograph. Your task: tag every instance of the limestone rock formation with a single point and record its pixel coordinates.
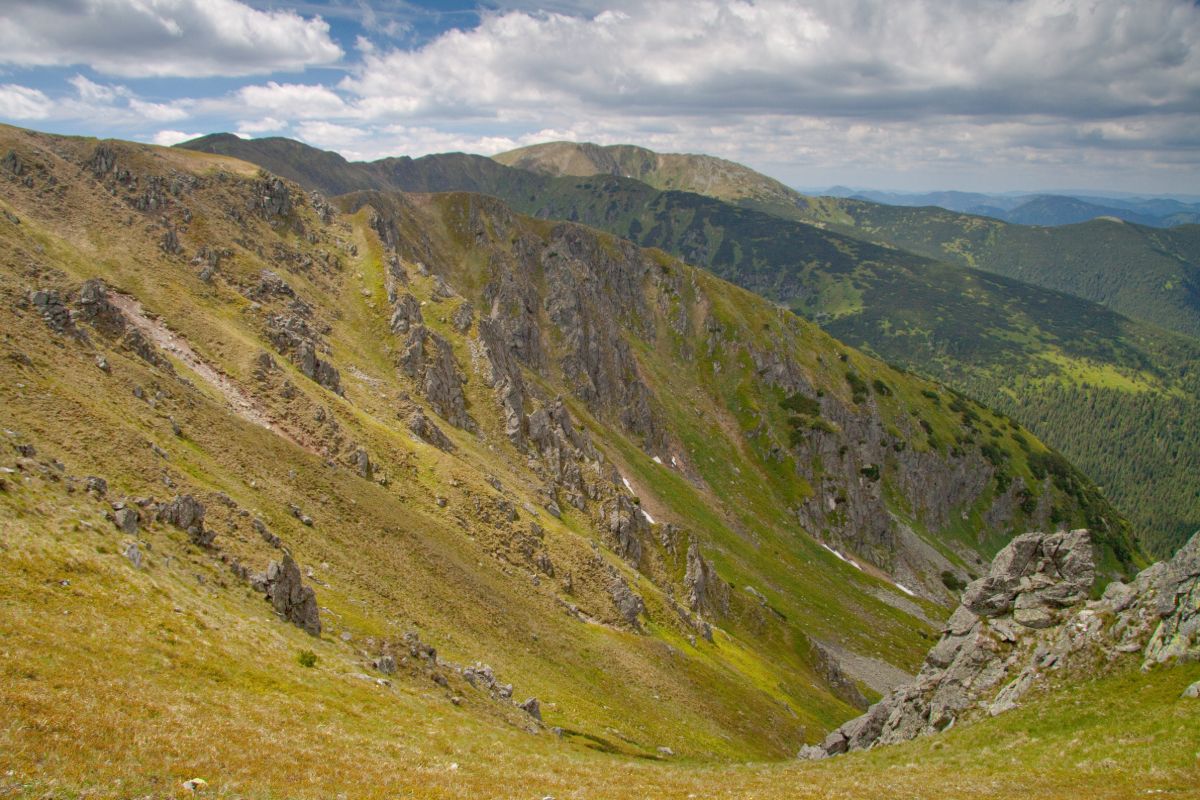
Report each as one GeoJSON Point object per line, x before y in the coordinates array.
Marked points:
{"type": "Point", "coordinates": [705, 589]}
{"type": "Point", "coordinates": [428, 432]}
{"type": "Point", "coordinates": [1027, 616]}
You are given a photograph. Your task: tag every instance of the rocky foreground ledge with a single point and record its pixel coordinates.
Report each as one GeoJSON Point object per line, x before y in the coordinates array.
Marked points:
{"type": "Point", "coordinates": [1027, 617]}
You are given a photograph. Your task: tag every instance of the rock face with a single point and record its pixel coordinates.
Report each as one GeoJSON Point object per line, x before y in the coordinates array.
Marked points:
{"type": "Point", "coordinates": [427, 431]}
{"type": "Point", "coordinates": [187, 513]}
{"type": "Point", "coordinates": [291, 599]}
{"type": "Point", "coordinates": [429, 359]}
{"type": "Point", "coordinates": [705, 589]}
{"type": "Point", "coordinates": [1027, 616]}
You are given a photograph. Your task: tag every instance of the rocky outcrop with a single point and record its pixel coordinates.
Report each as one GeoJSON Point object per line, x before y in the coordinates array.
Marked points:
{"type": "Point", "coordinates": [291, 599]}
{"type": "Point", "coordinates": [1027, 617]}
{"type": "Point", "coordinates": [406, 314]}
{"type": "Point", "coordinates": [504, 377]}
{"type": "Point", "coordinates": [50, 306]}
{"type": "Point", "coordinates": [565, 451]}
{"type": "Point", "coordinates": [294, 337]}
{"type": "Point", "coordinates": [429, 359]}
{"type": "Point", "coordinates": [428, 432]}
{"type": "Point", "coordinates": [187, 513]}
{"type": "Point", "coordinates": [625, 523]}
{"type": "Point", "coordinates": [705, 589]}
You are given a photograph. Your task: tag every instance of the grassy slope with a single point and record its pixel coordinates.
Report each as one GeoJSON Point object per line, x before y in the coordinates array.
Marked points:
{"type": "Point", "coordinates": [1117, 397]}
{"type": "Point", "coordinates": [185, 682]}
{"type": "Point", "coordinates": [1148, 274]}
{"type": "Point", "coordinates": [1064, 367]}
{"type": "Point", "coordinates": [387, 557]}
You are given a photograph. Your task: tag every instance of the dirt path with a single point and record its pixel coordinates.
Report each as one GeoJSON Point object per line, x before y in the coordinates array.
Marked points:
{"type": "Point", "coordinates": [239, 401]}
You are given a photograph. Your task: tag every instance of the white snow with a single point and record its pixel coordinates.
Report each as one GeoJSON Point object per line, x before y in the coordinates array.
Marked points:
{"type": "Point", "coordinates": [625, 481]}
{"type": "Point", "coordinates": [649, 518]}
{"type": "Point", "coordinates": [656, 460]}
{"type": "Point", "coordinates": [849, 561]}
{"type": "Point", "coordinates": [905, 589]}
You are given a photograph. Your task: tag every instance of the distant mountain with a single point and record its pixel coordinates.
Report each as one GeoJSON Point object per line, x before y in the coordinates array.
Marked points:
{"type": "Point", "coordinates": [1038, 209]}
{"type": "Point", "coordinates": [1102, 388]}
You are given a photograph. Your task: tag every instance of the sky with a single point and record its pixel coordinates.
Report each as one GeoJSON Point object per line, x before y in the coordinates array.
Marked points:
{"type": "Point", "coordinates": [977, 95]}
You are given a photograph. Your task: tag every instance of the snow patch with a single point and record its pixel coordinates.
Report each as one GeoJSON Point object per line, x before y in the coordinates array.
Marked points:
{"type": "Point", "coordinates": [905, 589]}
{"type": "Point", "coordinates": [628, 486]}
{"type": "Point", "coordinates": [649, 518]}
{"type": "Point", "coordinates": [841, 557]}
{"type": "Point", "coordinates": [656, 460]}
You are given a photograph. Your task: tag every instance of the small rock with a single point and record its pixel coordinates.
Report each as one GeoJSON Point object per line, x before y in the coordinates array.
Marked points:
{"type": "Point", "coordinates": [134, 555]}
{"type": "Point", "coordinates": [386, 664]}
{"type": "Point", "coordinates": [95, 485]}
{"type": "Point", "coordinates": [126, 520]}
{"type": "Point", "coordinates": [666, 752]}
{"type": "Point", "coordinates": [1192, 692]}
{"type": "Point", "coordinates": [102, 364]}
{"type": "Point", "coordinates": [533, 708]}
{"type": "Point", "coordinates": [810, 752]}
{"type": "Point", "coordinates": [195, 785]}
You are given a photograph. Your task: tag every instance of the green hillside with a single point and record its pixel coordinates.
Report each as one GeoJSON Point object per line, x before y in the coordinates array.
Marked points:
{"type": "Point", "coordinates": [581, 472]}
{"type": "Point", "coordinates": [1117, 397]}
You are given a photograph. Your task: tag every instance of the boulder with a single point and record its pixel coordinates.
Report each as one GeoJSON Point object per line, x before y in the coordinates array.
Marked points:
{"type": "Point", "coordinates": [291, 599]}
{"type": "Point", "coordinates": [533, 708]}
{"type": "Point", "coordinates": [126, 520]}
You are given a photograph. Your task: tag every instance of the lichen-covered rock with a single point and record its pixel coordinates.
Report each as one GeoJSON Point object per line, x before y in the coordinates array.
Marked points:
{"type": "Point", "coordinates": [629, 604]}
{"type": "Point", "coordinates": [625, 523]}
{"type": "Point", "coordinates": [291, 599]}
{"type": "Point", "coordinates": [126, 519]}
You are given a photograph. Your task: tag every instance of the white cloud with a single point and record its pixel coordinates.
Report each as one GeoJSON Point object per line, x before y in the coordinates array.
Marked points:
{"type": "Point", "coordinates": [168, 138]}
{"type": "Point", "coordinates": [823, 58]}
{"type": "Point", "coordinates": [180, 38]}
{"type": "Point", "coordinates": [912, 84]}
{"type": "Point", "coordinates": [21, 102]}
{"type": "Point", "coordinates": [298, 101]}
{"type": "Point", "coordinates": [264, 125]}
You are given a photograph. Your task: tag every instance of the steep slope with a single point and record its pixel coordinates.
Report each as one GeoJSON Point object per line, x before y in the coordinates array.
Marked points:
{"type": "Point", "coordinates": [475, 458]}
{"type": "Point", "coordinates": [1118, 398]}
{"type": "Point", "coordinates": [1147, 274]}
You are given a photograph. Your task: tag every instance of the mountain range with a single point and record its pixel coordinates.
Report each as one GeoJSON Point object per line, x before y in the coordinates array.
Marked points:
{"type": "Point", "coordinates": [408, 492]}
{"type": "Point", "coordinates": [1117, 395]}
{"type": "Point", "coordinates": [1040, 209]}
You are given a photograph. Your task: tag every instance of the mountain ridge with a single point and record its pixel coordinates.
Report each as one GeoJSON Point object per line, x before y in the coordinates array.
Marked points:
{"type": "Point", "coordinates": [1022, 357]}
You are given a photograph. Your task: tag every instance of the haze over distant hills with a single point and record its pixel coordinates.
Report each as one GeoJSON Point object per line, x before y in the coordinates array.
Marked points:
{"type": "Point", "coordinates": [1042, 208]}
